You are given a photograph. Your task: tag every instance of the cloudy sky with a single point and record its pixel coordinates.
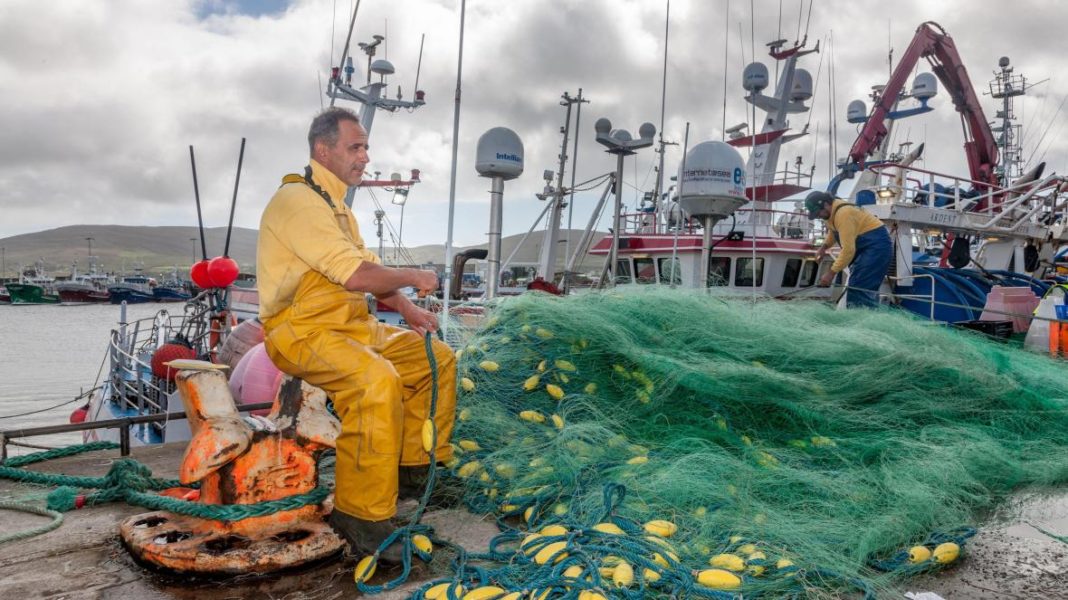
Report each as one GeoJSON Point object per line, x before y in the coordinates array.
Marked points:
{"type": "Point", "coordinates": [100, 99]}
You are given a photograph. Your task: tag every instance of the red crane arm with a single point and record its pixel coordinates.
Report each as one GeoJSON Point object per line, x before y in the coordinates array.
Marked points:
{"type": "Point", "coordinates": [933, 43]}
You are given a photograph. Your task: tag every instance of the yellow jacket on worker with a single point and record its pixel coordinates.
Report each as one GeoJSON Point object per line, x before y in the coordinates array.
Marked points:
{"type": "Point", "coordinates": [849, 222]}
{"type": "Point", "coordinates": [377, 375]}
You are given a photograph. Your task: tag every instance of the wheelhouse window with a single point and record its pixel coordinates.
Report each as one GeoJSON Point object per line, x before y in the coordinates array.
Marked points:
{"type": "Point", "coordinates": [670, 271]}
{"type": "Point", "coordinates": [644, 270]}
{"type": "Point", "coordinates": [623, 271]}
{"type": "Point", "coordinates": [808, 273]}
{"type": "Point", "coordinates": [749, 273]}
{"type": "Point", "coordinates": [792, 272]}
{"type": "Point", "coordinates": [719, 271]}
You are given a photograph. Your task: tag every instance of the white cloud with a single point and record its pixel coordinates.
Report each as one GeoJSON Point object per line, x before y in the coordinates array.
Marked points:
{"type": "Point", "coordinates": [99, 101]}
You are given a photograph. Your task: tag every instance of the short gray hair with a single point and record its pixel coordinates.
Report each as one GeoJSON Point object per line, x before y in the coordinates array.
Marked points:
{"type": "Point", "coordinates": [324, 127]}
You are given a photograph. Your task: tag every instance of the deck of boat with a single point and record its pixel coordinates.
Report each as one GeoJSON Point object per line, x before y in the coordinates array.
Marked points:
{"type": "Point", "coordinates": [84, 558]}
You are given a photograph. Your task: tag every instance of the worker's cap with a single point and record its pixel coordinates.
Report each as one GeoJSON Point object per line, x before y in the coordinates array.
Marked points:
{"type": "Point", "coordinates": [815, 201]}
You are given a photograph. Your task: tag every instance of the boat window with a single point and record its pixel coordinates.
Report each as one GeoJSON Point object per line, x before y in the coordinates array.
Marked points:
{"type": "Point", "coordinates": [670, 271]}
{"type": "Point", "coordinates": [644, 270]}
{"type": "Point", "coordinates": [749, 273]}
{"type": "Point", "coordinates": [808, 273]}
{"type": "Point", "coordinates": [792, 272]}
{"type": "Point", "coordinates": [623, 271]}
{"type": "Point", "coordinates": [719, 270]}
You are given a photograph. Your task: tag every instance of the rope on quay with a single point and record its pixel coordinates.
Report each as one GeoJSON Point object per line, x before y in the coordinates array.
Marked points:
{"type": "Point", "coordinates": [57, 520]}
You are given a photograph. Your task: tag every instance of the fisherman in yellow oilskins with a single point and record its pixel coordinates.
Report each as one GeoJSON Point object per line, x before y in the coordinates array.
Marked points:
{"type": "Point", "coordinates": [313, 270]}
{"type": "Point", "coordinates": [866, 247]}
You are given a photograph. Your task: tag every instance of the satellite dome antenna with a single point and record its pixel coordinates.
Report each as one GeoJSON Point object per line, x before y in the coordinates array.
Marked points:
{"type": "Point", "coordinates": [499, 156]}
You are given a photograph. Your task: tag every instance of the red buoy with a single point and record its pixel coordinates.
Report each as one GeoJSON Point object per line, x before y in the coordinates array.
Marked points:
{"type": "Point", "coordinates": [166, 353]}
{"type": "Point", "coordinates": [199, 274]}
{"type": "Point", "coordinates": [222, 271]}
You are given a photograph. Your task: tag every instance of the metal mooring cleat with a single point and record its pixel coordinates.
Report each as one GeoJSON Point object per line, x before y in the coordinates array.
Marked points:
{"type": "Point", "coordinates": [241, 463]}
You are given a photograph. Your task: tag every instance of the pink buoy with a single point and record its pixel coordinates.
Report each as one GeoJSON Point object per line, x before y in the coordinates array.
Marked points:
{"type": "Point", "coordinates": [240, 341]}
{"type": "Point", "coordinates": [255, 379]}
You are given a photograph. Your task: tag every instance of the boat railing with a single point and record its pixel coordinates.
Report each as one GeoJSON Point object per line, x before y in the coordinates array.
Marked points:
{"type": "Point", "coordinates": [1007, 207]}
{"type": "Point", "coordinates": [787, 224]}
{"type": "Point", "coordinates": [133, 385]}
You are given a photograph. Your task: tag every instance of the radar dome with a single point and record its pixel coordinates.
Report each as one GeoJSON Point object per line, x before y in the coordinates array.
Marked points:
{"type": "Point", "coordinates": [382, 67]}
{"type": "Point", "coordinates": [802, 88]}
{"type": "Point", "coordinates": [857, 112]}
{"type": "Point", "coordinates": [499, 154]}
{"type": "Point", "coordinates": [755, 77]}
{"type": "Point", "coordinates": [712, 184]}
{"type": "Point", "coordinates": [924, 86]}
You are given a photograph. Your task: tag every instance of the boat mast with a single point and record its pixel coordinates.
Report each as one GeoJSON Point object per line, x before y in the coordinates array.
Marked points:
{"type": "Point", "coordinates": [547, 260]}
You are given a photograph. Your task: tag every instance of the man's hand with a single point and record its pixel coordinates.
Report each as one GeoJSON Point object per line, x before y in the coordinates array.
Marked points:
{"type": "Point", "coordinates": [425, 281]}
{"type": "Point", "coordinates": [827, 278]}
{"type": "Point", "coordinates": [421, 321]}
{"type": "Point", "coordinates": [821, 253]}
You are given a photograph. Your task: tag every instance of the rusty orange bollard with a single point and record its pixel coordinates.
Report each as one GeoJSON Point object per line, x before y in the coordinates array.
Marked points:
{"type": "Point", "coordinates": [237, 463]}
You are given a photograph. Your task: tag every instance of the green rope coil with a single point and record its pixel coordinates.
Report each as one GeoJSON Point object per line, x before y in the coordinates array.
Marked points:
{"type": "Point", "coordinates": [57, 520]}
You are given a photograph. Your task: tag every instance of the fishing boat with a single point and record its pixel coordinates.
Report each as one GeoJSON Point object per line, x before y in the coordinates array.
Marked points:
{"type": "Point", "coordinates": [85, 288]}
{"type": "Point", "coordinates": [171, 289]}
{"type": "Point", "coordinates": [133, 289]}
{"type": "Point", "coordinates": [34, 286]}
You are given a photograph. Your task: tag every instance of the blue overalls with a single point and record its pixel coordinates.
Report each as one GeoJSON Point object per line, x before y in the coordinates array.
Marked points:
{"type": "Point", "coordinates": [874, 251]}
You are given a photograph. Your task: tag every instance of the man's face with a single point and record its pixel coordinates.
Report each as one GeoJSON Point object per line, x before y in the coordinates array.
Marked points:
{"type": "Point", "coordinates": [348, 157]}
{"type": "Point", "coordinates": [825, 212]}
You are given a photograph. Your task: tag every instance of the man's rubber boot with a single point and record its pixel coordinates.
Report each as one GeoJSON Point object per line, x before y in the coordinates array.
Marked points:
{"type": "Point", "coordinates": [412, 482]}
{"type": "Point", "coordinates": [364, 537]}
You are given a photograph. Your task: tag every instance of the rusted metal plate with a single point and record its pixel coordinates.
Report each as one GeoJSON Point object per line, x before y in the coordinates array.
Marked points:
{"type": "Point", "coordinates": [191, 545]}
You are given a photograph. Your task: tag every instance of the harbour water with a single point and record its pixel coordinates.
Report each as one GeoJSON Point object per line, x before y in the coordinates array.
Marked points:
{"type": "Point", "coordinates": [49, 355]}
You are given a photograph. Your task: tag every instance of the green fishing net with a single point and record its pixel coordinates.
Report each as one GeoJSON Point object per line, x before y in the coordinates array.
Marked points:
{"type": "Point", "coordinates": [798, 450]}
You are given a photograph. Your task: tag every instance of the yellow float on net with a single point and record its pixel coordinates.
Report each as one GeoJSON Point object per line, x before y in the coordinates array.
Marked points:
{"type": "Point", "coordinates": [719, 579]}
{"type": "Point", "coordinates": [441, 591]}
{"type": "Point", "coordinates": [543, 333]}
{"type": "Point", "coordinates": [661, 527]}
{"type": "Point", "coordinates": [591, 388]}
{"type": "Point", "coordinates": [505, 470]}
{"type": "Point", "coordinates": [638, 460]}
{"type": "Point", "coordinates": [428, 435]}
{"type": "Point", "coordinates": [532, 415]}
{"type": "Point", "coordinates": [590, 595]}
{"type": "Point", "coordinates": [422, 543]}
{"type": "Point", "coordinates": [467, 384]}
{"type": "Point", "coordinates": [731, 562]}
{"type": "Point", "coordinates": [946, 553]}
{"type": "Point", "coordinates": [531, 382]}
{"type": "Point", "coordinates": [650, 576]}
{"type": "Point", "coordinates": [747, 549]}
{"type": "Point", "coordinates": [555, 391]}
{"type": "Point", "coordinates": [919, 554]}
{"type": "Point", "coordinates": [553, 551]}
{"type": "Point", "coordinates": [464, 415]}
{"type": "Point", "coordinates": [542, 365]}
{"type": "Point", "coordinates": [469, 445]}
{"type": "Point", "coordinates": [469, 469]}
{"type": "Point", "coordinates": [623, 575]}
{"type": "Point", "coordinates": [553, 530]}
{"type": "Point", "coordinates": [486, 592]}
{"type": "Point", "coordinates": [558, 421]}
{"type": "Point", "coordinates": [365, 569]}
{"type": "Point", "coordinates": [609, 528]}
{"type": "Point", "coordinates": [564, 365]}
{"type": "Point", "coordinates": [489, 366]}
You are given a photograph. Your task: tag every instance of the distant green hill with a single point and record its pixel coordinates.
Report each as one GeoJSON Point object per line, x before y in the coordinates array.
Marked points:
{"type": "Point", "coordinates": [158, 249]}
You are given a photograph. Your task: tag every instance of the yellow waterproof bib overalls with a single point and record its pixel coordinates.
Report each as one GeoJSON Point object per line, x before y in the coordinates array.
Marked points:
{"type": "Point", "coordinates": [379, 379]}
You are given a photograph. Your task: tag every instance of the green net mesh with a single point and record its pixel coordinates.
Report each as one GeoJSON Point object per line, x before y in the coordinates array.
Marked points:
{"type": "Point", "coordinates": [798, 449]}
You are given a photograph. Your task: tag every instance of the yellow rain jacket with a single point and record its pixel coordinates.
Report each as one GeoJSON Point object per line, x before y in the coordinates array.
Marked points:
{"type": "Point", "coordinates": [846, 224]}
{"type": "Point", "coordinates": [377, 375]}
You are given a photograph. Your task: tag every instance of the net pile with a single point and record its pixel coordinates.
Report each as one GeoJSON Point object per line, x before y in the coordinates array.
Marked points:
{"type": "Point", "coordinates": [655, 443]}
